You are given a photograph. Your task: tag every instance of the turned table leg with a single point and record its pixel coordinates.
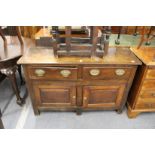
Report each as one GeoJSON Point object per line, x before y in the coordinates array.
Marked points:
{"type": "Point", "coordinates": [10, 73]}
{"type": "Point", "coordinates": [1, 123]}
{"type": "Point", "coordinates": [20, 75]}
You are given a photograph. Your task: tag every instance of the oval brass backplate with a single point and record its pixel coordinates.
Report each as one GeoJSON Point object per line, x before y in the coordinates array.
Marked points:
{"type": "Point", "coordinates": [39, 72]}
{"type": "Point", "coordinates": [65, 73]}
{"type": "Point", "coordinates": [120, 72]}
{"type": "Point", "coordinates": [94, 72]}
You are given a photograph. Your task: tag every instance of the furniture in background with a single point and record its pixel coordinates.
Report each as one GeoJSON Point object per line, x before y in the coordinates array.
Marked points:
{"type": "Point", "coordinates": [142, 94]}
{"type": "Point", "coordinates": [150, 35]}
{"type": "Point", "coordinates": [29, 31]}
{"type": "Point", "coordinates": [8, 59]}
{"type": "Point", "coordinates": [44, 36]}
{"type": "Point", "coordinates": [12, 31]}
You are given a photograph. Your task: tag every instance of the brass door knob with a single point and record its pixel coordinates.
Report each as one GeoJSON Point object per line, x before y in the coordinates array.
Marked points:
{"type": "Point", "coordinates": [65, 73]}
{"type": "Point", "coordinates": [39, 72]}
{"type": "Point", "coordinates": [120, 72]}
{"type": "Point", "coordinates": [74, 97]}
{"type": "Point", "coordinates": [153, 94]}
{"type": "Point", "coordinates": [94, 72]}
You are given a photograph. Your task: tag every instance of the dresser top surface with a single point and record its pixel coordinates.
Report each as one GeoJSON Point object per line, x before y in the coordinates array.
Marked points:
{"type": "Point", "coordinates": [146, 55]}
{"type": "Point", "coordinates": [41, 55]}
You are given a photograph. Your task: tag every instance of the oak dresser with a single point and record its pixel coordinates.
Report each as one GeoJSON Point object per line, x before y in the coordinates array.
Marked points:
{"type": "Point", "coordinates": [78, 83]}
{"type": "Point", "coordinates": [142, 94]}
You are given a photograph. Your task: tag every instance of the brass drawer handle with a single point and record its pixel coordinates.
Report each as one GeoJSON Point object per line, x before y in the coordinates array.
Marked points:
{"type": "Point", "coordinates": [120, 72]}
{"type": "Point", "coordinates": [153, 94]}
{"type": "Point", "coordinates": [65, 73]}
{"type": "Point", "coordinates": [94, 72]}
{"type": "Point", "coordinates": [39, 72]}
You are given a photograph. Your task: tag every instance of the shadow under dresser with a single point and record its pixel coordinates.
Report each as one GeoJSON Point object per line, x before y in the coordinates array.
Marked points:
{"type": "Point", "coordinates": [78, 83]}
{"type": "Point", "coordinates": [142, 94]}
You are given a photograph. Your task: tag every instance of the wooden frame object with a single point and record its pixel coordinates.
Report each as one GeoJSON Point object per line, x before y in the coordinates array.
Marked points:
{"type": "Point", "coordinates": [84, 46]}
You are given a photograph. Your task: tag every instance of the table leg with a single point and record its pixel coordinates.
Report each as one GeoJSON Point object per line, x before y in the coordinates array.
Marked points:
{"type": "Point", "coordinates": [20, 75]}
{"type": "Point", "coordinates": [1, 123]}
{"type": "Point", "coordinates": [10, 73]}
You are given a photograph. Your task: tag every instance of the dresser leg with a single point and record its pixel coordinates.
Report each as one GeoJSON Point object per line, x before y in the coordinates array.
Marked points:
{"type": "Point", "coordinates": [36, 111]}
{"type": "Point", "coordinates": [119, 111]}
{"type": "Point", "coordinates": [78, 111]}
{"type": "Point", "coordinates": [10, 73]}
{"type": "Point", "coordinates": [132, 114]}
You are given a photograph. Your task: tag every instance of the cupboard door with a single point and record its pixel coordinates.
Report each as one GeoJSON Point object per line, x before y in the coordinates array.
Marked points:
{"type": "Point", "coordinates": [103, 96]}
{"type": "Point", "coordinates": [54, 95]}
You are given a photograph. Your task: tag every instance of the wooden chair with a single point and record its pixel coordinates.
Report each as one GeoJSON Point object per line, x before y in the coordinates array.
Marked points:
{"type": "Point", "coordinates": [11, 31]}
{"type": "Point", "coordinates": [148, 38]}
{"type": "Point", "coordinates": [122, 29]}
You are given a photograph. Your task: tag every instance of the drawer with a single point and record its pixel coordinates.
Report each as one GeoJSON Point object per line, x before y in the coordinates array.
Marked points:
{"type": "Point", "coordinates": [150, 95]}
{"type": "Point", "coordinates": [103, 73]}
{"type": "Point", "coordinates": [148, 85]}
{"type": "Point", "coordinates": [150, 74]}
{"type": "Point", "coordinates": [145, 105]}
{"type": "Point", "coordinates": [53, 73]}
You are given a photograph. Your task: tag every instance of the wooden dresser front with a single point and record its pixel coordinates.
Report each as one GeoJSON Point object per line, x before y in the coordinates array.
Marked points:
{"type": "Point", "coordinates": [142, 94]}
{"type": "Point", "coordinates": [78, 83]}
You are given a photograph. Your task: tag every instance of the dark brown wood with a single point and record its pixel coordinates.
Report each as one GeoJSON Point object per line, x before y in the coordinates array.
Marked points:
{"type": "Point", "coordinates": [68, 38]}
{"type": "Point", "coordinates": [62, 84]}
{"type": "Point", "coordinates": [94, 40]}
{"type": "Point", "coordinates": [103, 96]}
{"type": "Point", "coordinates": [74, 45]}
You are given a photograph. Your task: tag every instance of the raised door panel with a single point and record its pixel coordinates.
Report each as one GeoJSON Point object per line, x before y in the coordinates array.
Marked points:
{"type": "Point", "coordinates": [55, 96]}
{"type": "Point", "coordinates": [103, 96]}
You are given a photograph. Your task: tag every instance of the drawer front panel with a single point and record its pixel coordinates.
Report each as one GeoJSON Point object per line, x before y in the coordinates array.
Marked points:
{"type": "Point", "coordinates": [102, 73]}
{"type": "Point", "coordinates": [55, 96]}
{"type": "Point", "coordinates": [145, 105]}
{"type": "Point", "coordinates": [103, 96]}
{"type": "Point", "coordinates": [53, 73]}
{"type": "Point", "coordinates": [148, 95]}
{"type": "Point", "coordinates": [148, 85]}
{"type": "Point", "coordinates": [150, 74]}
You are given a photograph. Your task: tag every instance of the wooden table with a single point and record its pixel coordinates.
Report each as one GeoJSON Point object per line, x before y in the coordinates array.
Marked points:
{"type": "Point", "coordinates": [79, 83]}
{"type": "Point", "coordinates": [8, 66]}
